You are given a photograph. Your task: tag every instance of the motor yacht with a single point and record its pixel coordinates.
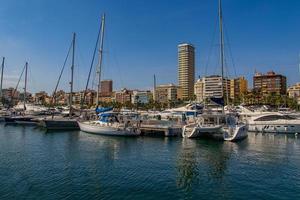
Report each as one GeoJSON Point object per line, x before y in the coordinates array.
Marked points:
{"type": "Point", "coordinates": [274, 123]}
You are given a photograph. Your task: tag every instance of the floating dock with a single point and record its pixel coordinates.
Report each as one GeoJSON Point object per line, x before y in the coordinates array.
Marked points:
{"type": "Point", "coordinates": [60, 124]}
{"type": "Point", "coordinates": [160, 128]}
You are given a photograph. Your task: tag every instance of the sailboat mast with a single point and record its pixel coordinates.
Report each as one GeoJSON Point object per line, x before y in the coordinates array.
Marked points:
{"type": "Point", "coordinates": [100, 57]}
{"type": "Point", "coordinates": [1, 82]}
{"type": "Point", "coordinates": [154, 88]}
{"type": "Point", "coordinates": [25, 86]}
{"type": "Point", "coordinates": [72, 75]}
{"type": "Point", "coordinates": [221, 41]}
{"type": "Point", "coordinates": [222, 49]}
{"type": "Point", "coordinates": [299, 64]}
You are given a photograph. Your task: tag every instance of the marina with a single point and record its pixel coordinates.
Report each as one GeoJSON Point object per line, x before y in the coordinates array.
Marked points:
{"type": "Point", "coordinates": [150, 100]}
{"type": "Point", "coordinates": [230, 126]}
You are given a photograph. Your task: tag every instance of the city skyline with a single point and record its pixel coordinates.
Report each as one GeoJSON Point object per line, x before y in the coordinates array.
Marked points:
{"type": "Point", "coordinates": [148, 42]}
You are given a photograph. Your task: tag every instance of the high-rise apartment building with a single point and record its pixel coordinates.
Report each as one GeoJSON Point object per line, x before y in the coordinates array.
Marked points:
{"type": "Point", "coordinates": [211, 86]}
{"type": "Point", "coordinates": [106, 87]}
{"type": "Point", "coordinates": [269, 83]}
{"type": "Point", "coordinates": [186, 69]}
{"type": "Point", "coordinates": [238, 87]}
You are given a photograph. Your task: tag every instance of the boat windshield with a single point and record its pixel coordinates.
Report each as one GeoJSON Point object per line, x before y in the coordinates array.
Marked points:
{"type": "Point", "coordinates": [274, 117]}
{"type": "Point", "coordinates": [214, 119]}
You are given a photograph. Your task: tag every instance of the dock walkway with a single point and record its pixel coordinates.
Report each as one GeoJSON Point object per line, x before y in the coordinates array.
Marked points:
{"type": "Point", "coordinates": [158, 128]}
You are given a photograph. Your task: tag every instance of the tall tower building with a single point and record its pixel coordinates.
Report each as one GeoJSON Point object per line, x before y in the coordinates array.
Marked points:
{"type": "Point", "coordinates": [106, 87]}
{"type": "Point", "coordinates": [186, 69]}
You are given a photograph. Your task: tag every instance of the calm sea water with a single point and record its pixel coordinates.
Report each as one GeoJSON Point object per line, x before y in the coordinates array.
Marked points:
{"type": "Point", "coordinates": [77, 165]}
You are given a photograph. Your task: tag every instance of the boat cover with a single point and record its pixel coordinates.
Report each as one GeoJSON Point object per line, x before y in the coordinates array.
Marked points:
{"type": "Point", "coordinates": [103, 109]}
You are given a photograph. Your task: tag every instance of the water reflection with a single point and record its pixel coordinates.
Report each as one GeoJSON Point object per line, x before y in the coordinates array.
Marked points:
{"type": "Point", "coordinates": [216, 156]}
{"type": "Point", "coordinates": [262, 141]}
{"type": "Point", "coordinates": [73, 164]}
{"type": "Point", "coordinates": [110, 147]}
{"type": "Point", "coordinates": [187, 172]}
{"type": "Point", "coordinates": [273, 149]}
{"type": "Point", "coordinates": [211, 157]}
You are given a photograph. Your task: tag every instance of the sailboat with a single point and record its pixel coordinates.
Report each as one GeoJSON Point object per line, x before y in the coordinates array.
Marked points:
{"type": "Point", "coordinates": [64, 123]}
{"type": "Point", "coordinates": [3, 111]}
{"type": "Point", "coordinates": [21, 117]}
{"type": "Point", "coordinates": [217, 125]}
{"type": "Point", "coordinates": [109, 123]}
{"type": "Point", "coordinates": [1, 84]}
{"type": "Point", "coordinates": [28, 109]}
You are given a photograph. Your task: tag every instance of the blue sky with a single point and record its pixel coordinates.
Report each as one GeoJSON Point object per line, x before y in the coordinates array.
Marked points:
{"type": "Point", "coordinates": [142, 37]}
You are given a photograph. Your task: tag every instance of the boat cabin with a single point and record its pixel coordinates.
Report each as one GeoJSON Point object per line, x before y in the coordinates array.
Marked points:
{"type": "Point", "coordinates": [108, 117]}
{"type": "Point", "coordinates": [217, 119]}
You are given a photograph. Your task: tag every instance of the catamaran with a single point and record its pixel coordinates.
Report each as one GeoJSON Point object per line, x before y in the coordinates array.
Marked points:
{"type": "Point", "coordinates": [216, 125]}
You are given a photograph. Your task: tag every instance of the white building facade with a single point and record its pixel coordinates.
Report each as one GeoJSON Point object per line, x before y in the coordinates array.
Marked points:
{"type": "Point", "coordinates": [140, 97]}
{"type": "Point", "coordinates": [211, 86]}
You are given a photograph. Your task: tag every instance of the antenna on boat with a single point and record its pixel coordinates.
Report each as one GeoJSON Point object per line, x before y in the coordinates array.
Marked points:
{"type": "Point", "coordinates": [25, 86]}
{"type": "Point", "coordinates": [100, 57]}
{"type": "Point", "coordinates": [1, 82]}
{"type": "Point", "coordinates": [72, 75]}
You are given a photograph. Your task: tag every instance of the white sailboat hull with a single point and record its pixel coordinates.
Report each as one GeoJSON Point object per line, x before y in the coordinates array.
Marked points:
{"type": "Point", "coordinates": [236, 133]}
{"type": "Point", "coordinates": [213, 132]}
{"type": "Point", "coordinates": [107, 130]}
{"type": "Point", "coordinates": [239, 132]}
{"type": "Point", "coordinates": [198, 131]}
